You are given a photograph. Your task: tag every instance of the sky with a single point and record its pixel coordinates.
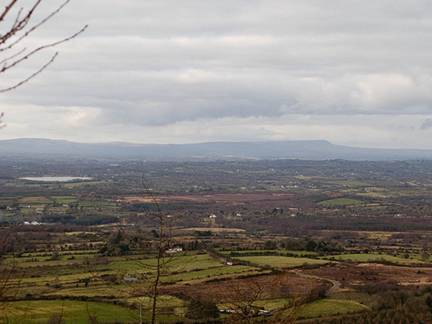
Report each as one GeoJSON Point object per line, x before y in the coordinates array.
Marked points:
{"type": "Point", "coordinates": [166, 71]}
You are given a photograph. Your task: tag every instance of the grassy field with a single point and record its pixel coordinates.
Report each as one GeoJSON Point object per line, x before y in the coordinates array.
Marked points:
{"type": "Point", "coordinates": [73, 312]}
{"type": "Point", "coordinates": [179, 263]}
{"type": "Point", "coordinates": [374, 257]}
{"type": "Point", "coordinates": [273, 304]}
{"type": "Point", "coordinates": [75, 185]}
{"type": "Point", "coordinates": [48, 260]}
{"type": "Point", "coordinates": [268, 252]}
{"type": "Point", "coordinates": [34, 200]}
{"type": "Point", "coordinates": [340, 202]}
{"type": "Point", "coordinates": [66, 277]}
{"type": "Point", "coordinates": [267, 304]}
{"type": "Point", "coordinates": [329, 307]}
{"type": "Point", "coordinates": [209, 273]}
{"type": "Point", "coordinates": [281, 261]}
{"type": "Point", "coordinates": [64, 199]}
{"type": "Point", "coordinates": [348, 183]}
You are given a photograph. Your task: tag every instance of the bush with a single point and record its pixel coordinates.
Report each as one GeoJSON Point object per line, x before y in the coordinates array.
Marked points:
{"type": "Point", "coordinates": [202, 310]}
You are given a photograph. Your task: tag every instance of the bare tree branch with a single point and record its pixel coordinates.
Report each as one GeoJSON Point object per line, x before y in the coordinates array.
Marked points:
{"type": "Point", "coordinates": [7, 9]}
{"type": "Point", "coordinates": [36, 26]}
{"type": "Point", "coordinates": [19, 30]}
{"type": "Point", "coordinates": [51, 60]}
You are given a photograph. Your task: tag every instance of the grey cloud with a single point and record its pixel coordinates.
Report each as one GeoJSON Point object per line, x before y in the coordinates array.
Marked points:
{"type": "Point", "coordinates": [426, 125]}
{"type": "Point", "coordinates": [159, 63]}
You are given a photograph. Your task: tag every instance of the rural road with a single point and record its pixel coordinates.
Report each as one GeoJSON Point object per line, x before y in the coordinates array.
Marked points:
{"type": "Point", "coordinates": [335, 285]}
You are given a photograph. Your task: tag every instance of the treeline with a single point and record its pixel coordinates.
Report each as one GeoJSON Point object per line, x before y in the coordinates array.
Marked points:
{"type": "Point", "coordinates": [83, 220]}
{"type": "Point", "coordinates": [293, 244]}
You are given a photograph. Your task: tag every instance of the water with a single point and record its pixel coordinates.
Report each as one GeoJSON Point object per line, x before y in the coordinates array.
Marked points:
{"type": "Point", "coordinates": [56, 179]}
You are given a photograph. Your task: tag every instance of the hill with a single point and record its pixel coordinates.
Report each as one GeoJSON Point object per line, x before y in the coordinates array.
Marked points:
{"type": "Point", "coordinates": [305, 150]}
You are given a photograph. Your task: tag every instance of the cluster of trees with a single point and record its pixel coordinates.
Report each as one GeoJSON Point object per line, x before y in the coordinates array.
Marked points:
{"type": "Point", "coordinates": [82, 220]}
{"type": "Point", "coordinates": [320, 246]}
{"type": "Point", "coordinates": [118, 244]}
{"type": "Point", "coordinates": [202, 311]}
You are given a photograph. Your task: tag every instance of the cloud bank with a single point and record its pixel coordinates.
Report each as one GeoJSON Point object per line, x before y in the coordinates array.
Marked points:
{"type": "Point", "coordinates": [352, 72]}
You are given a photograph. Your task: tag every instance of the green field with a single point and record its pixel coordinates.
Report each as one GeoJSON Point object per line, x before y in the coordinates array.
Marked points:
{"type": "Point", "coordinates": [34, 200]}
{"type": "Point", "coordinates": [209, 273]}
{"type": "Point", "coordinates": [340, 202]}
{"type": "Point", "coordinates": [267, 304]}
{"type": "Point", "coordinates": [48, 261]}
{"type": "Point", "coordinates": [179, 263]}
{"type": "Point", "coordinates": [348, 183]}
{"type": "Point", "coordinates": [273, 304]}
{"type": "Point", "coordinates": [66, 277]}
{"type": "Point", "coordinates": [374, 257]}
{"type": "Point", "coordinates": [64, 199]}
{"type": "Point", "coordinates": [73, 312]}
{"type": "Point", "coordinates": [268, 252]}
{"type": "Point", "coordinates": [281, 261]}
{"type": "Point", "coordinates": [329, 307]}
{"type": "Point", "coordinates": [77, 185]}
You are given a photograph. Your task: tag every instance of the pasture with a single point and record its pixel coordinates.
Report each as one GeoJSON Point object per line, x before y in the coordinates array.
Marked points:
{"type": "Point", "coordinates": [281, 261]}
{"type": "Point", "coordinates": [375, 257]}
{"type": "Point", "coordinates": [329, 307]}
{"type": "Point", "coordinates": [340, 202]}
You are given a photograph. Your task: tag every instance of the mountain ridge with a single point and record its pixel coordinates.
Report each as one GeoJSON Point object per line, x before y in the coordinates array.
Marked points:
{"type": "Point", "coordinates": [294, 149]}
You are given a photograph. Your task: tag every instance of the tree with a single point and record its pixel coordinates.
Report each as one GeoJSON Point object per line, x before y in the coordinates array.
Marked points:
{"type": "Point", "coordinates": [7, 289]}
{"type": "Point", "coordinates": [118, 244]}
{"type": "Point", "coordinates": [202, 310]}
{"type": "Point", "coordinates": [161, 243]}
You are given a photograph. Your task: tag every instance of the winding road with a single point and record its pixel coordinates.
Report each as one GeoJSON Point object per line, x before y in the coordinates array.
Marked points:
{"type": "Point", "coordinates": [335, 285]}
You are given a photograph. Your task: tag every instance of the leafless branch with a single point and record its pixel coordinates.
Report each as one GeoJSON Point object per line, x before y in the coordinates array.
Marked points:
{"type": "Point", "coordinates": [164, 242]}
{"type": "Point", "coordinates": [19, 30]}
{"type": "Point", "coordinates": [32, 76]}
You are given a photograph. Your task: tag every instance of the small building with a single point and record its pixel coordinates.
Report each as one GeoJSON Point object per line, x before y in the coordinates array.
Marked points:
{"type": "Point", "coordinates": [130, 279]}
{"type": "Point", "coordinates": [175, 250]}
{"type": "Point", "coordinates": [33, 223]}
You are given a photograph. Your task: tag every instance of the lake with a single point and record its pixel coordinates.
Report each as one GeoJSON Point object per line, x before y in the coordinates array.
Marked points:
{"type": "Point", "coordinates": [56, 179]}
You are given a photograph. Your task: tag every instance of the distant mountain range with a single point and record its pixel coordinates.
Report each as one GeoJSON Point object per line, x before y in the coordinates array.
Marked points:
{"type": "Point", "coordinates": [305, 150]}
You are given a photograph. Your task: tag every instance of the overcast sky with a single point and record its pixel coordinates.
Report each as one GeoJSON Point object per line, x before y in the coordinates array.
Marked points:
{"type": "Point", "coordinates": [157, 71]}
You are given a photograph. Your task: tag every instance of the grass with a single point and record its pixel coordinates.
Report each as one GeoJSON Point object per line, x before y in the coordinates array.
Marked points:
{"type": "Point", "coordinates": [329, 307]}
{"type": "Point", "coordinates": [340, 202]}
{"type": "Point", "coordinates": [64, 199]}
{"type": "Point", "coordinates": [180, 263]}
{"type": "Point", "coordinates": [73, 311]}
{"type": "Point", "coordinates": [119, 291]}
{"type": "Point", "coordinates": [54, 279]}
{"type": "Point", "coordinates": [67, 273]}
{"type": "Point", "coordinates": [47, 261]}
{"type": "Point", "coordinates": [208, 273]}
{"type": "Point", "coordinates": [77, 185]}
{"type": "Point", "coordinates": [374, 235]}
{"type": "Point", "coordinates": [348, 183]}
{"type": "Point", "coordinates": [164, 301]}
{"type": "Point", "coordinates": [74, 252]}
{"type": "Point", "coordinates": [375, 257]}
{"type": "Point", "coordinates": [267, 304]}
{"type": "Point", "coordinates": [281, 261]}
{"type": "Point", "coordinates": [34, 200]}
{"type": "Point", "coordinates": [273, 304]}
{"type": "Point", "coordinates": [268, 252]}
